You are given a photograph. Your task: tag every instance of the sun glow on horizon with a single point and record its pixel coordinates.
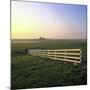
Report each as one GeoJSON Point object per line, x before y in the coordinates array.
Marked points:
{"type": "Point", "coordinates": [32, 20]}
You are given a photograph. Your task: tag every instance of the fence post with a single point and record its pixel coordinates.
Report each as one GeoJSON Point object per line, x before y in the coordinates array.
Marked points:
{"type": "Point", "coordinates": [80, 55]}
{"type": "Point", "coordinates": [48, 53]}
{"type": "Point", "coordinates": [43, 53]}
{"type": "Point", "coordinates": [65, 55]}
{"type": "Point", "coordinates": [55, 54]}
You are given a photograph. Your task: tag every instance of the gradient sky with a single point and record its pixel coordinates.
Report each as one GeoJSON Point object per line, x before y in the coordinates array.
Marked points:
{"type": "Point", "coordinates": [30, 20]}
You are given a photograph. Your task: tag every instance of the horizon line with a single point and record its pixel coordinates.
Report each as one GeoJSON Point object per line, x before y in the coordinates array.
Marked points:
{"type": "Point", "coordinates": [44, 38]}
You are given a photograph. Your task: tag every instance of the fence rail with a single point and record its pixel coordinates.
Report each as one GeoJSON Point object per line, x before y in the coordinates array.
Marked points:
{"type": "Point", "coordinates": [70, 55]}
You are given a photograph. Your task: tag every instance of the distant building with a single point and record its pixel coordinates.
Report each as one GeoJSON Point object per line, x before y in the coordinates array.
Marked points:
{"type": "Point", "coordinates": [41, 38]}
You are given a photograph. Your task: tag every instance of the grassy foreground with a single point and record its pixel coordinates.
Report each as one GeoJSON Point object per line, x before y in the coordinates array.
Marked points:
{"type": "Point", "coordinates": [31, 72]}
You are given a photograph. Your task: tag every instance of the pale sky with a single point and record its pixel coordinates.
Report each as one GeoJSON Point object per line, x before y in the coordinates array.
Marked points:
{"type": "Point", "coordinates": [30, 20]}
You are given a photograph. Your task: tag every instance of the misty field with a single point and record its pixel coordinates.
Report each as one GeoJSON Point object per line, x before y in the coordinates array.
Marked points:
{"type": "Point", "coordinates": [34, 71]}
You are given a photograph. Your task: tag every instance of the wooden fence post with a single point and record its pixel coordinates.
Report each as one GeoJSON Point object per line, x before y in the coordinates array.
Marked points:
{"type": "Point", "coordinates": [65, 55]}
{"type": "Point", "coordinates": [55, 54]}
{"type": "Point", "coordinates": [48, 53]}
{"type": "Point", "coordinates": [80, 55]}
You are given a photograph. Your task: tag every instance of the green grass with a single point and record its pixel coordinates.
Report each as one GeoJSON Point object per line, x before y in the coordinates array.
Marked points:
{"type": "Point", "coordinates": [31, 72]}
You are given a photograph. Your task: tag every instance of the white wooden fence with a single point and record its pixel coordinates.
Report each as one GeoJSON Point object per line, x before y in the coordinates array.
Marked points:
{"type": "Point", "coordinates": [71, 55]}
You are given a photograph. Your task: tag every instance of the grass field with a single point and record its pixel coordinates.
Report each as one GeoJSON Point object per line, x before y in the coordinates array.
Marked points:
{"type": "Point", "coordinates": [33, 71]}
